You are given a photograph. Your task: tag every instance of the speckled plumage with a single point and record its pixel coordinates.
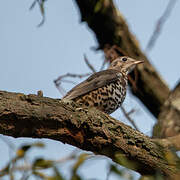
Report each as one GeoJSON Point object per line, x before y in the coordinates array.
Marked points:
{"type": "Point", "coordinates": [105, 90]}
{"type": "Point", "coordinates": [107, 98]}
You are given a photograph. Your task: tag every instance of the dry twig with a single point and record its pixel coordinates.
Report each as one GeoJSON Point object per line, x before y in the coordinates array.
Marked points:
{"type": "Point", "coordinates": [42, 10]}
{"type": "Point", "coordinates": [161, 21]}
{"type": "Point", "coordinates": [127, 115]}
{"type": "Point", "coordinates": [90, 66]}
{"type": "Point", "coordinates": [60, 79]}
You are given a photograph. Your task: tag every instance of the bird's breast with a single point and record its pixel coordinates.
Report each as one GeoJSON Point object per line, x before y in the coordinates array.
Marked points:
{"type": "Point", "coordinates": [107, 98]}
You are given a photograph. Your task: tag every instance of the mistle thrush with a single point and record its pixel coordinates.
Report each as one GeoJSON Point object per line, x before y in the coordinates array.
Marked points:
{"type": "Point", "coordinates": [105, 90]}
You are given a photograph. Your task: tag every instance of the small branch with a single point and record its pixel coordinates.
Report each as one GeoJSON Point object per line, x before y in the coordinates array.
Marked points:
{"type": "Point", "coordinates": [103, 64]}
{"type": "Point", "coordinates": [160, 24]}
{"type": "Point", "coordinates": [88, 64]}
{"type": "Point", "coordinates": [60, 79]}
{"type": "Point", "coordinates": [171, 142]}
{"type": "Point", "coordinates": [42, 10]}
{"type": "Point", "coordinates": [128, 117]}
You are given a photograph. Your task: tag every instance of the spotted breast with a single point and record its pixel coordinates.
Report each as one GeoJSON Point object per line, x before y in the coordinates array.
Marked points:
{"type": "Point", "coordinates": [107, 98]}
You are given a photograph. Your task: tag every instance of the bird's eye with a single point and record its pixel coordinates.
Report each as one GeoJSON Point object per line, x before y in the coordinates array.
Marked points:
{"type": "Point", "coordinates": [124, 59]}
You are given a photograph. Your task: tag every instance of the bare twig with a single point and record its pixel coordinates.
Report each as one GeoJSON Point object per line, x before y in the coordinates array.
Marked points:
{"type": "Point", "coordinates": [88, 64]}
{"type": "Point", "coordinates": [61, 89]}
{"type": "Point", "coordinates": [103, 64]}
{"type": "Point", "coordinates": [133, 81]}
{"type": "Point", "coordinates": [68, 81]}
{"type": "Point", "coordinates": [127, 115]}
{"type": "Point", "coordinates": [60, 79]}
{"type": "Point", "coordinates": [159, 25]}
{"type": "Point", "coordinates": [171, 142]}
{"type": "Point", "coordinates": [33, 5]}
{"type": "Point", "coordinates": [41, 6]}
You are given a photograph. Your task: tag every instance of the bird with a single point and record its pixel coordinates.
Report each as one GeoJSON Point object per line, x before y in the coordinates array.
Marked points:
{"type": "Point", "coordinates": [106, 89]}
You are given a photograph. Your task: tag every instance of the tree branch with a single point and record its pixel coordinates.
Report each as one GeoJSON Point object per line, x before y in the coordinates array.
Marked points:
{"type": "Point", "coordinates": [169, 119]}
{"type": "Point", "coordinates": [111, 29]}
{"type": "Point", "coordinates": [171, 142]}
{"type": "Point", "coordinates": [89, 129]}
{"type": "Point", "coordinates": [159, 25]}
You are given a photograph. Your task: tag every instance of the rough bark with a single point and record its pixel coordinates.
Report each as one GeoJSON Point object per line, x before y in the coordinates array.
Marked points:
{"type": "Point", "coordinates": [169, 119]}
{"type": "Point", "coordinates": [89, 129]}
{"type": "Point", "coordinates": [111, 29]}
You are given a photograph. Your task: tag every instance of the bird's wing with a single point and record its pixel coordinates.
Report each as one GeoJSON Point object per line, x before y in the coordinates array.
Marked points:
{"type": "Point", "coordinates": [95, 81]}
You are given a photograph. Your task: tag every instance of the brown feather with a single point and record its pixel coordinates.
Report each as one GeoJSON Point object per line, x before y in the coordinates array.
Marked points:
{"type": "Point", "coordinates": [95, 81]}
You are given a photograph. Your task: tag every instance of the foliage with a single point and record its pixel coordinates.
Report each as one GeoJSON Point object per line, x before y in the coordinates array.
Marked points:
{"type": "Point", "coordinates": [38, 168]}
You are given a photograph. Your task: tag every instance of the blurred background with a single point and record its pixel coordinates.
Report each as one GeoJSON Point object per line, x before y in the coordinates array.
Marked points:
{"type": "Point", "coordinates": [32, 57]}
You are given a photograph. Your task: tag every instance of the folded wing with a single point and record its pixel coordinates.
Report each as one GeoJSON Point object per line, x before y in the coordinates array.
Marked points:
{"type": "Point", "coordinates": [95, 81]}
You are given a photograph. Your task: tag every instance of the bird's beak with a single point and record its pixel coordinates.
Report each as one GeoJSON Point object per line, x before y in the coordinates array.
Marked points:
{"type": "Point", "coordinates": [138, 62]}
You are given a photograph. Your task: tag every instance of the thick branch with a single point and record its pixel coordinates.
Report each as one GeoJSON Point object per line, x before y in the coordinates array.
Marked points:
{"type": "Point", "coordinates": [110, 28]}
{"type": "Point", "coordinates": [89, 129]}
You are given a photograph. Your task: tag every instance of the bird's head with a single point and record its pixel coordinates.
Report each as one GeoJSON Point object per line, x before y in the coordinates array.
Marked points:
{"type": "Point", "coordinates": [124, 64]}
